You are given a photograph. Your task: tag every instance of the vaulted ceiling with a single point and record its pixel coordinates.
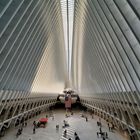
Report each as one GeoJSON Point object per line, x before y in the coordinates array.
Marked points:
{"type": "Point", "coordinates": [105, 47]}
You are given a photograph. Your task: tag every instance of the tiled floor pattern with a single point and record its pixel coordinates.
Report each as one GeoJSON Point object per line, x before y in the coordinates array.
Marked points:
{"type": "Point", "coordinates": [70, 133]}
{"type": "Point", "coordinates": [85, 130]}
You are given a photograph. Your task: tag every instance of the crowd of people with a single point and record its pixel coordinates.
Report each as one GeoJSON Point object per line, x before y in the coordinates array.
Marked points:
{"type": "Point", "coordinates": [104, 135]}
{"type": "Point", "coordinates": [100, 133]}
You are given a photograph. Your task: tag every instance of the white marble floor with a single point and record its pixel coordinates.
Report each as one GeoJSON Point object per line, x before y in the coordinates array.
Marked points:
{"type": "Point", "coordinates": [85, 130]}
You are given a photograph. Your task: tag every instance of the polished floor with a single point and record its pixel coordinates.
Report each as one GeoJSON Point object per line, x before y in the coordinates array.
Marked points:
{"type": "Point", "coordinates": [85, 130]}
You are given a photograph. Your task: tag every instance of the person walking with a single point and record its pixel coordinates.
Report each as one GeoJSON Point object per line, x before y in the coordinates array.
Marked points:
{"type": "Point", "coordinates": [25, 124]}
{"type": "Point", "coordinates": [97, 123]}
{"type": "Point", "coordinates": [21, 129]}
{"type": "Point", "coordinates": [103, 138]}
{"type": "Point", "coordinates": [97, 135]}
{"type": "Point", "coordinates": [77, 138]}
{"type": "Point", "coordinates": [57, 127]}
{"type": "Point", "coordinates": [106, 135]}
{"type": "Point", "coordinates": [65, 133]}
{"type": "Point", "coordinates": [34, 123]}
{"type": "Point", "coordinates": [18, 133]}
{"type": "Point", "coordinates": [108, 126]}
{"type": "Point", "coordinates": [34, 130]}
{"type": "Point", "coordinates": [100, 129]}
{"type": "Point", "coordinates": [86, 119]}
{"type": "Point", "coordinates": [112, 128]}
{"type": "Point", "coordinates": [75, 134]}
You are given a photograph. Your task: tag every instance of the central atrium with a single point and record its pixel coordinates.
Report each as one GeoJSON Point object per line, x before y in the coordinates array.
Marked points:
{"type": "Point", "coordinates": [70, 69]}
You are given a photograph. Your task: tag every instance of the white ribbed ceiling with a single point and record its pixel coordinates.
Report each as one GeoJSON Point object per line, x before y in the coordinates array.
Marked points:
{"type": "Point", "coordinates": [102, 55]}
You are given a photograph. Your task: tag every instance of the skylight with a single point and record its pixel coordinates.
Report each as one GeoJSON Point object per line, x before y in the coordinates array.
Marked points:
{"type": "Point", "coordinates": [68, 28]}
